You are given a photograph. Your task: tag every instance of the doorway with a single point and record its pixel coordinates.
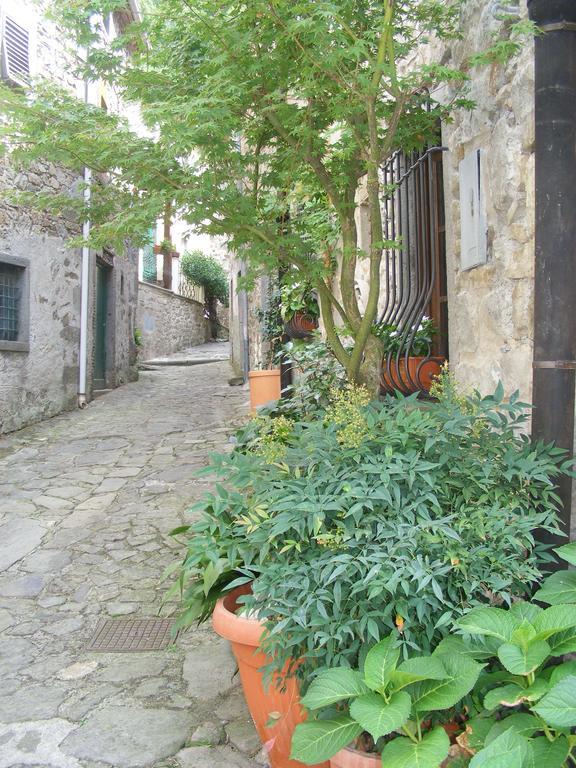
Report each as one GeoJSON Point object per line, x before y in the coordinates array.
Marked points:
{"type": "Point", "coordinates": [101, 325]}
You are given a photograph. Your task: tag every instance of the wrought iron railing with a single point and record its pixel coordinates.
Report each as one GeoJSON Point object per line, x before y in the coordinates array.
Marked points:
{"type": "Point", "coordinates": [414, 271]}
{"type": "Point", "coordinates": [190, 290]}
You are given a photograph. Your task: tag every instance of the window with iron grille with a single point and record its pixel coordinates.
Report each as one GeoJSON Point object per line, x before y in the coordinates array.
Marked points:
{"type": "Point", "coordinates": [414, 283]}
{"type": "Point", "coordinates": [14, 304]}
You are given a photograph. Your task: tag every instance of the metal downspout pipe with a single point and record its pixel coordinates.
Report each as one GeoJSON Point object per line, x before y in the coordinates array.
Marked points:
{"type": "Point", "coordinates": [84, 282]}
{"type": "Point", "coordinates": [554, 366]}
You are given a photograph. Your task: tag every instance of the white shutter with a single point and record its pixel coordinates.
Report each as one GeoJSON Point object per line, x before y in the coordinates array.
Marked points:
{"type": "Point", "coordinates": [18, 43]}
{"type": "Point", "coordinates": [473, 245]}
{"type": "Point", "coordinates": [15, 52]}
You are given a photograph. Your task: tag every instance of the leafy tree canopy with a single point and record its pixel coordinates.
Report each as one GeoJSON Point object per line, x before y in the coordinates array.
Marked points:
{"type": "Point", "coordinates": [206, 271]}
{"type": "Point", "coordinates": [262, 120]}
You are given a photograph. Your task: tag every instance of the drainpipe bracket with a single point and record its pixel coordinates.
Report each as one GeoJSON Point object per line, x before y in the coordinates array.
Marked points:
{"type": "Point", "coordinates": [557, 364]}
{"type": "Point", "coordinates": [561, 26]}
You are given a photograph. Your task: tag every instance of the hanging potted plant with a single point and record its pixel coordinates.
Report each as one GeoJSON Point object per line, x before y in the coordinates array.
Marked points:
{"type": "Point", "coordinates": [408, 365]}
{"type": "Point", "coordinates": [300, 310]}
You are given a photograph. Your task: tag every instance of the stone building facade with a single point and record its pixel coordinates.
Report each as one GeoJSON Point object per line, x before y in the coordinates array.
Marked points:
{"type": "Point", "coordinates": [168, 322]}
{"type": "Point", "coordinates": [490, 303]}
{"type": "Point", "coordinates": [41, 275]}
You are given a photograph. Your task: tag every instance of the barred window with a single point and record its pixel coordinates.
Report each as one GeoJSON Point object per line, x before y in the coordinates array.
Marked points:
{"type": "Point", "coordinates": [14, 301]}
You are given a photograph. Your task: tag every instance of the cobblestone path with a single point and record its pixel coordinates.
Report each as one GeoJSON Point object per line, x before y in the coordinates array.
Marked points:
{"type": "Point", "coordinates": [86, 501]}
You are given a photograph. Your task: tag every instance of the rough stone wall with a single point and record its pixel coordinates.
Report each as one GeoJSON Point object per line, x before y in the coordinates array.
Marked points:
{"type": "Point", "coordinates": [491, 306]}
{"type": "Point", "coordinates": [168, 322]}
{"type": "Point", "coordinates": [43, 381]}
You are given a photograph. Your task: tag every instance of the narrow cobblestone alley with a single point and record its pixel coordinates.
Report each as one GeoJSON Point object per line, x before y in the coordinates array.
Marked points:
{"type": "Point", "coordinates": [86, 501]}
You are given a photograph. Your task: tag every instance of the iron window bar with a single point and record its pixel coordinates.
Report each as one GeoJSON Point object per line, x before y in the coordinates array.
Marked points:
{"type": "Point", "coordinates": [411, 263]}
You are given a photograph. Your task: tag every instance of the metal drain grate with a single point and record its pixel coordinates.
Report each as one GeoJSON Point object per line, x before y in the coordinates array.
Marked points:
{"type": "Point", "coordinates": [131, 635]}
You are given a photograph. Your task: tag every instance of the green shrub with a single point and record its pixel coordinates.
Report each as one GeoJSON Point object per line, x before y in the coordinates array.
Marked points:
{"type": "Point", "coordinates": [432, 511]}
{"type": "Point", "coordinates": [519, 702]}
{"type": "Point", "coordinates": [206, 271]}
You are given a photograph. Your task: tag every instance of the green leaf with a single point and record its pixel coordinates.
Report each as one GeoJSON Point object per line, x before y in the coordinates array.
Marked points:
{"type": "Point", "coordinates": [318, 740]}
{"type": "Point", "coordinates": [523, 661]}
{"type": "Point", "coordinates": [380, 662]}
{"type": "Point", "coordinates": [555, 619]}
{"type": "Point", "coordinates": [477, 730]}
{"type": "Point", "coordinates": [558, 706]}
{"type": "Point", "coordinates": [333, 686]}
{"type": "Point", "coordinates": [428, 753]}
{"type": "Point", "coordinates": [563, 642]}
{"type": "Point", "coordinates": [564, 670]}
{"type": "Point", "coordinates": [419, 668]}
{"type": "Point", "coordinates": [521, 723]}
{"type": "Point", "coordinates": [492, 622]}
{"type": "Point", "coordinates": [509, 750]}
{"type": "Point", "coordinates": [378, 717]}
{"type": "Point", "coordinates": [212, 573]}
{"type": "Point", "coordinates": [558, 588]}
{"type": "Point", "coordinates": [505, 696]}
{"type": "Point", "coordinates": [538, 688]}
{"type": "Point", "coordinates": [567, 552]}
{"type": "Point", "coordinates": [462, 673]}
{"type": "Point", "coordinates": [549, 754]}
{"type": "Point", "coordinates": [524, 611]}
{"type": "Point", "coordinates": [453, 644]}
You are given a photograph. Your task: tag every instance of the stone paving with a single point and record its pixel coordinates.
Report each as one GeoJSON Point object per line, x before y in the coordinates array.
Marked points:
{"type": "Point", "coordinates": [86, 502]}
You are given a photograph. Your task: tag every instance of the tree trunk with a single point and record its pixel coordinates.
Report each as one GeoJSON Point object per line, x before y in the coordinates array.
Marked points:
{"type": "Point", "coordinates": [212, 317]}
{"type": "Point", "coordinates": [370, 373]}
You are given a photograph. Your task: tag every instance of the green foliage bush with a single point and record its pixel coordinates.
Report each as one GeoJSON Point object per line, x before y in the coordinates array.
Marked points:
{"type": "Point", "coordinates": [432, 511]}
{"type": "Point", "coordinates": [206, 271]}
{"type": "Point", "coordinates": [502, 674]}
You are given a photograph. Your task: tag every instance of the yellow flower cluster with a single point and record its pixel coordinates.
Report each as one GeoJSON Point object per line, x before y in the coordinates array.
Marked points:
{"type": "Point", "coordinates": [274, 435]}
{"type": "Point", "coordinates": [346, 412]}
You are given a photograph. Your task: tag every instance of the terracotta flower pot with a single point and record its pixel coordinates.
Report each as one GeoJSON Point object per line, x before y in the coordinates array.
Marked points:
{"type": "Point", "coordinates": [275, 713]}
{"type": "Point", "coordinates": [264, 387]}
{"type": "Point", "coordinates": [352, 758]}
{"type": "Point", "coordinates": [301, 326]}
{"type": "Point", "coordinates": [418, 375]}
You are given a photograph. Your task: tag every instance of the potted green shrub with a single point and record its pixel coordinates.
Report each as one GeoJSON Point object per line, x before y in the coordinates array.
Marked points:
{"type": "Point", "coordinates": [374, 518]}
{"type": "Point", "coordinates": [502, 671]}
{"type": "Point", "coordinates": [408, 365]}
{"type": "Point", "coordinates": [383, 714]}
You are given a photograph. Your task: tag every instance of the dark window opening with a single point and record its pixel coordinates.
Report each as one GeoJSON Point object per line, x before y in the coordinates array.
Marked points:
{"type": "Point", "coordinates": [13, 304]}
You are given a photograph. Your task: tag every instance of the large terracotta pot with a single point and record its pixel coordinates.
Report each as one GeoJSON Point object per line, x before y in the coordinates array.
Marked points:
{"type": "Point", "coordinates": [418, 375]}
{"type": "Point", "coordinates": [275, 713]}
{"type": "Point", "coordinates": [264, 387]}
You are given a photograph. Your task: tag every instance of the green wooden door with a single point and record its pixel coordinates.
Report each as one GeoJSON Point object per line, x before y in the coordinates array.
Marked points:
{"type": "Point", "coordinates": [100, 330]}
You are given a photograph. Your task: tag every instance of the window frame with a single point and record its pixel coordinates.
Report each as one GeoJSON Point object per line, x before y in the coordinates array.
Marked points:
{"type": "Point", "coordinates": [23, 342]}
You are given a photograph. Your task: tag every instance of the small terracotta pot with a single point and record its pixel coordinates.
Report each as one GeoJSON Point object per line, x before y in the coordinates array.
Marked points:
{"type": "Point", "coordinates": [419, 374]}
{"type": "Point", "coordinates": [264, 703]}
{"type": "Point", "coordinates": [352, 758]}
{"type": "Point", "coordinates": [264, 387]}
